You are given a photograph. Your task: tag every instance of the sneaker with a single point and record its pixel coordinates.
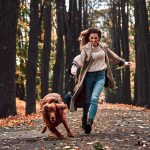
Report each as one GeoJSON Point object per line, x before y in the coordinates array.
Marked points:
{"type": "Point", "coordinates": [88, 126]}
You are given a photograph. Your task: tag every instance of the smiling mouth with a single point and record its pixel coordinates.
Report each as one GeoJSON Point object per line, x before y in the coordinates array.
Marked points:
{"type": "Point", "coordinates": [94, 43]}
{"type": "Point", "coordinates": [53, 121]}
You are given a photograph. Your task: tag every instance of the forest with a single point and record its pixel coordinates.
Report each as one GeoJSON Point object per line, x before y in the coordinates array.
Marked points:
{"type": "Point", "coordinates": [39, 39]}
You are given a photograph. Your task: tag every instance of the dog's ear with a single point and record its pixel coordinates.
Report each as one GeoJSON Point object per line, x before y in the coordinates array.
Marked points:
{"type": "Point", "coordinates": [46, 107]}
{"type": "Point", "coordinates": [45, 111]}
{"type": "Point", "coordinates": [62, 106]}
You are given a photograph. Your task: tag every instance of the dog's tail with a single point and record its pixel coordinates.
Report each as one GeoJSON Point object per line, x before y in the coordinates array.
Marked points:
{"type": "Point", "coordinates": [44, 129]}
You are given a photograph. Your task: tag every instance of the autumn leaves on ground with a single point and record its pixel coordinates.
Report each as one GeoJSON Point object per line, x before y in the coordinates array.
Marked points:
{"type": "Point", "coordinates": [20, 119]}
{"type": "Point", "coordinates": [116, 127]}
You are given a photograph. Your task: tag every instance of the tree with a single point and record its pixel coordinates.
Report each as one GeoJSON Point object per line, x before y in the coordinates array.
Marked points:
{"type": "Point", "coordinates": [125, 87]}
{"type": "Point", "coordinates": [58, 71]}
{"type": "Point", "coordinates": [8, 25]}
{"type": "Point", "coordinates": [22, 43]}
{"type": "Point", "coordinates": [142, 44]}
{"type": "Point", "coordinates": [120, 44]}
{"type": "Point", "coordinates": [46, 50]}
{"type": "Point", "coordinates": [68, 48]}
{"type": "Point", "coordinates": [71, 32]}
{"type": "Point", "coordinates": [115, 12]}
{"type": "Point", "coordinates": [32, 58]}
{"type": "Point", "coordinates": [85, 14]}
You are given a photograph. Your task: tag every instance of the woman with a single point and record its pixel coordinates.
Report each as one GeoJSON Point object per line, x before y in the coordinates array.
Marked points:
{"type": "Point", "coordinates": [95, 73]}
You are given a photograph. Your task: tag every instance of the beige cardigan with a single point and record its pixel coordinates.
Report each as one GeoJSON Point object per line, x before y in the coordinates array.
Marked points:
{"type": "Point", "coordinates": [79, 94]}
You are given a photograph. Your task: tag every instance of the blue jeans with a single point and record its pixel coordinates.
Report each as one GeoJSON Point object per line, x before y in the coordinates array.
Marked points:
{"type": "Point", "coordinates": [93, 85]}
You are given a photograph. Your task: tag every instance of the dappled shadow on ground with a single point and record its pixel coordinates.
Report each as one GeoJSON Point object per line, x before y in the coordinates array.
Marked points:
{"type": "Point", "coordinates": [116, 127]}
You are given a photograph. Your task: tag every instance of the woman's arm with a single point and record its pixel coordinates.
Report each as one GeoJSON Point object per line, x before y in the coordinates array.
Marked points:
{"type": "Point", "coordinates": [78, 62]}
{"type": "Point", "coordinates": [114, 57]}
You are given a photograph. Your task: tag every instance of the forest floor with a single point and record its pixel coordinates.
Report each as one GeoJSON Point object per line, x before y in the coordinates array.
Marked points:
{"type": "Point", "coordinates": [116, 127]}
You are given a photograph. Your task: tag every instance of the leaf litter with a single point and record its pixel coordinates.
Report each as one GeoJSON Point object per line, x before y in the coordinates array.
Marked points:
{"type": "Point", "coordinates": [116, 126]}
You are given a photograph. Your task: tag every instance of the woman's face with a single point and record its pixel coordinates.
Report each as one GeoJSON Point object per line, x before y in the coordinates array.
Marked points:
{"type": "Point", "coordinates": [94, 39]}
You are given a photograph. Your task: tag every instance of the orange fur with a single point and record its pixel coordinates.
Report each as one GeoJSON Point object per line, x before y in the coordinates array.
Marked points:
{"type": "Point", "coordinates": [53, 110]}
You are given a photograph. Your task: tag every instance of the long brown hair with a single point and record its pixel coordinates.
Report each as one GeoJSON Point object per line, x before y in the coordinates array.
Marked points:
{"type": "Point", "coordinates": [84, 35]}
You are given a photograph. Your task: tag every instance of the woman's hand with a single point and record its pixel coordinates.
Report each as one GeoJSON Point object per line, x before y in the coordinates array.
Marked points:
{"type": "Point", "coordinates": [128, 64]}
{"type": "Point", "coordinates": [125, 65]}
{"type": "Point", "coordinates": [84, 32]}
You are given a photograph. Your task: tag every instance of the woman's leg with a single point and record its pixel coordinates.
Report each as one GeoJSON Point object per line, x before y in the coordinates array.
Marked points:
{"type": "Point", "coordinates": [98, 86]}
{"type": "Point", "coordinates": [88, 88]}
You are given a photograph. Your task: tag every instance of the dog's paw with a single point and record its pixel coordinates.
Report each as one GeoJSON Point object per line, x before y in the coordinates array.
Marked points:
{"type": "Point", "coordinates": [70, 135]}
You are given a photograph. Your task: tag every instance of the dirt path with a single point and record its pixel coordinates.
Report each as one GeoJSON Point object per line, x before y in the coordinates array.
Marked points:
{"type": "Point", "coordinates": [116, 127]}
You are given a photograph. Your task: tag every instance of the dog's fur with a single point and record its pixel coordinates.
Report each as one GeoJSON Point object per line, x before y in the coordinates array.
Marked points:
{"type": "Point", "coordinates": [50, 98]}
{"type": "Point", "coordinates": [53, 110]}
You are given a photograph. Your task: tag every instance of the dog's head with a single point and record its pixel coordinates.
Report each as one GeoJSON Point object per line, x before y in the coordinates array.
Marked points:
{"type": "Point", "coordinates": [48, 100]}
{"type": "Point", "coordinates": [51, 110]}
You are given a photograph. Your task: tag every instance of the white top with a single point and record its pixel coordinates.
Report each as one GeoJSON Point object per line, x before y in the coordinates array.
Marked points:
{"type": "Point", "coordinates": [98, 62]}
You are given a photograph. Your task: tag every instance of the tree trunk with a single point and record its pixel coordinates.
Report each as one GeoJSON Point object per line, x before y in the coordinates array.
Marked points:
{"type": "Point", "coordinates": [85, 14]}
{"type": "Point", "coordinates": [68, 49]}
{"type": "Point", "coordinates": [74, 26]}
{"type": "Point", "coordinates": [58, 72]}
{"type": "Point", "coordinates": [125, 86]}
{"type": "Point", "coordinates": [32, 58]}
{"type": "Point", "coordinates": [8, 25]}
{"type": "Point", "coordinates": [72, 32]}
{"type": "Point", "coordinates": [142, 44]}
{"type": "Point", "coordinates": [115, 95]}
{"type": "Point", "coordinates": [46, 50]}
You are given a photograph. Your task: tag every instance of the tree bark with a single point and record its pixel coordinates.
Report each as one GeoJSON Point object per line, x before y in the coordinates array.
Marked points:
{"type": "Point", "coordinates": [68, 49]}
{"type": "Point", "coordinates": [46, 50]}
{"type": "Point", "coordinates": [85, 14]}
{"type": "Point", "coordinates": [32, 58]}
{"type": "Point", "coordinates": [115, 95]}
{"type": "Point", "coordinates": [58, 72]}
{"type": "Point", "coordinates": [125, 86]}
{"type": "Point", "coordinates": [8, 25]}
{"type": "Point", "coordinates": [142, 44]}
